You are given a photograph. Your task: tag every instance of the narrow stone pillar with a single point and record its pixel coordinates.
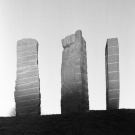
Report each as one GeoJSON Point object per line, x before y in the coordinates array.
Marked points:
{"type": "Point", "coordinates": [112, 74]}
{"type": "Point", "coordinates": [74, 91]}
{"type": "Point", "coordinates": [27, 90]}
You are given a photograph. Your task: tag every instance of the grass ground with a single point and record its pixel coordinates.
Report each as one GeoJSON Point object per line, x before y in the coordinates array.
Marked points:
{"type": "Point", "coordinates": [116, 122]}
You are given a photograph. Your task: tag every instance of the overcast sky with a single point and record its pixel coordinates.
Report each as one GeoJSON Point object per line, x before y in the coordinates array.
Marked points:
{"type": "Point", "coordinates": [48, 21]}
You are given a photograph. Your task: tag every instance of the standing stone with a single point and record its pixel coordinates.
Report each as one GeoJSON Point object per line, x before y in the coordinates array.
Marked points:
{"type": "Point", "coordinates": [112, 74]}
{"type": "Point", "coordinates": [27, 90]}
{"type": "Point", "coordinates": [74, 91]}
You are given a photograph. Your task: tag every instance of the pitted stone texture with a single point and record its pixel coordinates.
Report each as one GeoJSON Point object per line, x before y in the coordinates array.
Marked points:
{"type": "Point", "coordinates": [112, 74]}
{"type": "Point", "coordinates": [69, 40]}
{"type": "Point", "coordinates": [74, 91]}
{"type": "Point", "coordinates": [27, 84]}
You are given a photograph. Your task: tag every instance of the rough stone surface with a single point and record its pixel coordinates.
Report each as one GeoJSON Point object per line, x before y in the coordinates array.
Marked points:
{"type": "Point", "coordinates": [28, 109]}
{"type": "Point", "coordinates": [28, 103]}
{"type": "Point", "coordinates": [26, 42]}
{"type": "Point", "coordinates": [112, 74]}
{"type": "Point", "coordinates": [27, 64]}
{"type": "Point", "coordinates": [74, 91]}
{"type": "Point", "coordinates": [27, 74]}
{"type": "Point", "coordinates": [27, 69]}
{"type": "Point", "coordinates": [113, 85]}
{"type": "Point", "coordinates": [114, 93]}
{"type": "Point", "coordinates": [26, 92]}
{"type": "Point", "coordinates": [27, 89]}
{"type": "Point", "coordinates": [27, 86]}
{"type": "Point", "coordinates": [26, 58]}
{"type": "Point", "coordinates": [113, 50]}
{"type": "Point", "coordinates": [113, 67]}
{"type": "Point", "coordinates": [27, 97]}
{"type": "Point", "coordinates": [27, 48]}
{"type": "Point", "coordinates": [27, 80]}
{"type": "Point", "coordinates": [24, 54]}
{"type": "Point", "coordinates": [113, 58]}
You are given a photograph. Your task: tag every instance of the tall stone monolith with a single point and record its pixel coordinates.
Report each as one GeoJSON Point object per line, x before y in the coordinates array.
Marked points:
{"type": "Point", "coordinates": [74, 90]}
{"type": "Point", "coordinates": [112, 74]}
{"type": "Point", "coordinates": [27, 90]}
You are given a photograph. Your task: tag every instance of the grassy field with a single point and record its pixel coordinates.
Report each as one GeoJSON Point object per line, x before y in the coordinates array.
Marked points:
{"type": "Point", "coordinates": [116, 122]}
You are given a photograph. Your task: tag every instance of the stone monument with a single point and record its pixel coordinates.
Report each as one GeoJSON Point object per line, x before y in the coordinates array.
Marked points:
{"type": "Point", "coordinates": [74, 89]}
{"type": "Point", "coordinates": [112, 74]}
{"type": "Point", "coordinates": [27, 90]}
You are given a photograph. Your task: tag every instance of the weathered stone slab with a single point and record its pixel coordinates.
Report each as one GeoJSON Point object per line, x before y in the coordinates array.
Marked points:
{"type": "Point", "coordinates": [27, 53]}
{"type": "Point", "coordinates": [28, 103]}
{"type": "Point", "coordinates": [28, 63]}
{"type": "Point", "coordinates": [26, 42]}
{"type": "Point", "coordinates": [27, 74]}
{"type": "Point", "coordinates": [27, 92]}
{"type": "Point", "coordinates": [26, 58]}
{"type": "Point", "coordinates": [27, 86]}
{"type": "Point", "coordinates": [27, 97]}
{"type": "Point", "coordinates": [27, 48]}
{"type": "Point", "coordinates": [112, 74]}
{"type": "Point", "coordinates": [28, 109]}
{"type": "Point", "coordinates": [28, 80]}
{"type": "Point", "coordinates": [74, 91]}
{"type": "Point", "coordinates": [27, 69]}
